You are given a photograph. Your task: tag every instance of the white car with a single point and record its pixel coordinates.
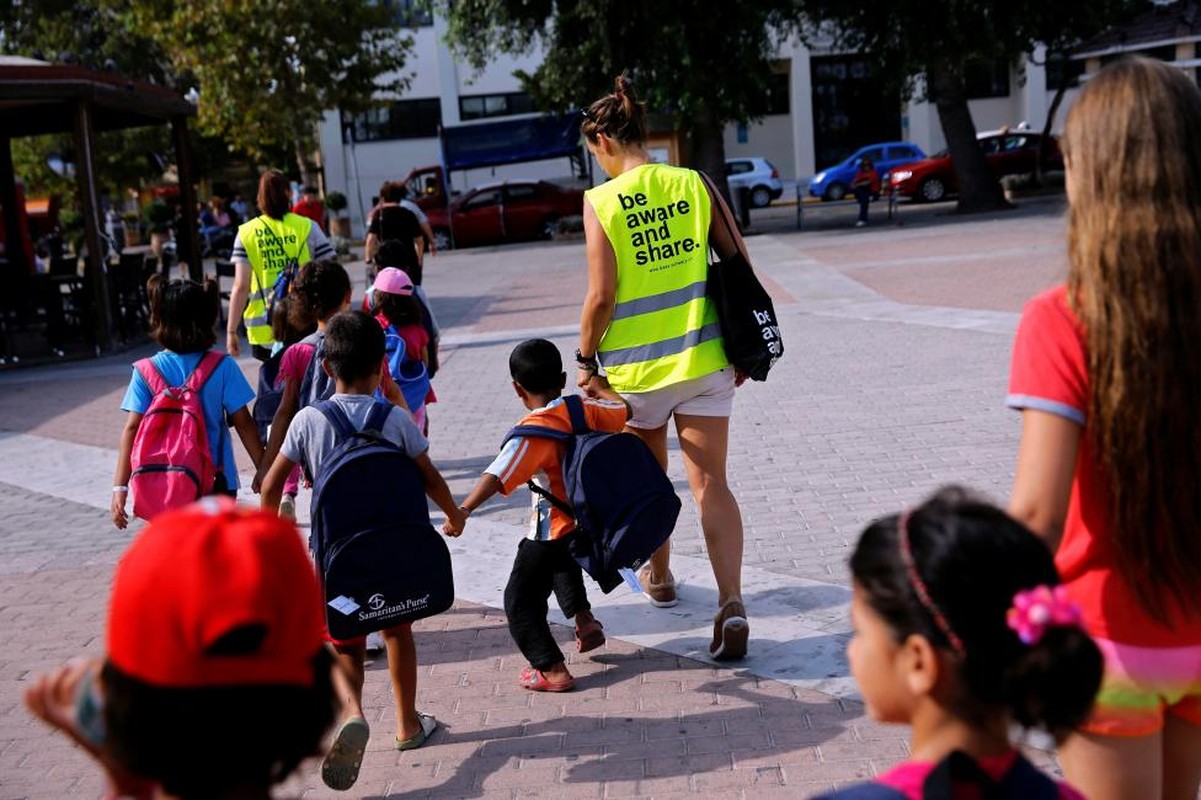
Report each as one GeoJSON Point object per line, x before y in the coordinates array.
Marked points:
{"type": "Point", "coordinates": [756, 174]}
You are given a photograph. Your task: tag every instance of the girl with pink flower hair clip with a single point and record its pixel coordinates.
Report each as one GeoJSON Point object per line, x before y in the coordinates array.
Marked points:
{"type": "Point", "coordinates": [962, 631]}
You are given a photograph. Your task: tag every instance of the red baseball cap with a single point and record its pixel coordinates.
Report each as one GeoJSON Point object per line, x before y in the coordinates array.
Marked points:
{"type": "Point", "coordinates": [216, 595]}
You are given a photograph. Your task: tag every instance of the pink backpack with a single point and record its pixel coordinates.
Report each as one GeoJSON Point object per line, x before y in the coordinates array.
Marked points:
{"type": "Point", "coordinates": [172, 465]}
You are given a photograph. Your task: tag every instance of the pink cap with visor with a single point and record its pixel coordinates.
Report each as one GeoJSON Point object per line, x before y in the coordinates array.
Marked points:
{"type": "Point", "coordinates": [393, 281]}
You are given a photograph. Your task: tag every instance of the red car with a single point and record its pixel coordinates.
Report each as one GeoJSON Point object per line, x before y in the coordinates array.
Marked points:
{"type": "Point", "coordinates": [1007, 152]}
{"type": "Point", "coordinates": [504, 212]}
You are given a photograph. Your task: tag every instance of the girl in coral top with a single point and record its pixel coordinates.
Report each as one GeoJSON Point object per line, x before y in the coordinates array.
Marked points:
{"type": "Point", "coordinates": [1107, 376]}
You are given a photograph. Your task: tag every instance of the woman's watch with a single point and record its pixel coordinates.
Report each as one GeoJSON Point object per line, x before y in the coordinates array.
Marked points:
{"type": "Point", "coordinates": [586, 363]}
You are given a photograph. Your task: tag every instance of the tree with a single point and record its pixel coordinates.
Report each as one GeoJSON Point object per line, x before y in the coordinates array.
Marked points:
{"type": "Point", "coordinates": [938, 38]}
{"type": "Point", "coordinates": [267, 70]}
{"type": "Point", "coordinates": [702, 62]}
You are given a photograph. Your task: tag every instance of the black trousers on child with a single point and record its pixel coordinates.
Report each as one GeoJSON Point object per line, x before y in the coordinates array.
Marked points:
{"type": "Point", "coordinates": [542, 567]}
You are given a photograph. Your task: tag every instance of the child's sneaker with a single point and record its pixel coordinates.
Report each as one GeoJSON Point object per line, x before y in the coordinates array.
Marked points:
{"type": "Point", "coordinates": [661, 595]}
{"type": "Point", "coordinates": [287, 506]}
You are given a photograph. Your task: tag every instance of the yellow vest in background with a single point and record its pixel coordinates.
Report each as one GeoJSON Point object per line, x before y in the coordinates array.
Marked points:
{"type": "Point", "coordinates": [270, 244]}
{"type": "Point", "coordinates": [664, 329]}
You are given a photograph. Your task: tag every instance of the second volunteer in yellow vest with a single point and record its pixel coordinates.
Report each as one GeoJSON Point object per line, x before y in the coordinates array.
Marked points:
{"type": "Point", "coordinates": [263, 248]}
{"type": "Point", "coordinates": [647, 323]}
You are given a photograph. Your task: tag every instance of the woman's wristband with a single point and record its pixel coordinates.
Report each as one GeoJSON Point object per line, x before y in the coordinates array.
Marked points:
{"type": "Point", "coordinates": [586, 363]}
{"type": "Point", "coordinates": [120, 490]}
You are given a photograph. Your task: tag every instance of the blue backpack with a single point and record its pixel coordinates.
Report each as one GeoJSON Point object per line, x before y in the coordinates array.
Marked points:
{"type": "Point", "coordinates": [1023, 781]}
{"type": "Point", "coordinates": [622, 502]}
{"type": "Point", "coordinates": [381, 562]}
{"type": "Point", "coordinates": [268, 398]}
{"type": "Point", "coordinates": [409, 373]}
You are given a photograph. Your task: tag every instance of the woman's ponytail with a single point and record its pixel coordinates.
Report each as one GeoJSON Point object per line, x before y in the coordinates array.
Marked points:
{"type": "Point", "coordinates": [619, 116]}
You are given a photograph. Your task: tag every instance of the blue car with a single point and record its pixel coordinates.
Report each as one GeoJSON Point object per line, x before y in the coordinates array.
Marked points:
{"type": "Point", "coordinates": [834, 182]}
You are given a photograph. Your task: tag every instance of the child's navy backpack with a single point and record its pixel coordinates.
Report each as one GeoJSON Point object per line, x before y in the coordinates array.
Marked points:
{"type": "Point", "coordinates": [409, 373]}
{"type": "Point", "coordinates": [958, 775]}
{"type": "Point", "coordinates": [622, 502]}
{"type": "Point", "coordinates": [268, 397]}
{"type": "Point", "coordinates": [316, 385]}
{"type": "Point", "coordinates": [381, 562]}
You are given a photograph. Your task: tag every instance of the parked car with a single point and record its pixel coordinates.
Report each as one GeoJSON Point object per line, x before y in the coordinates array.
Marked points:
{"type": "Point", "coordinates": [833, 183]}
{"type": "Point", "coordinates": [756, 174]}
{"type": "Point", "coordinates": [504, 212]}
{"type": "Point", "coordinates": [1007, 152]}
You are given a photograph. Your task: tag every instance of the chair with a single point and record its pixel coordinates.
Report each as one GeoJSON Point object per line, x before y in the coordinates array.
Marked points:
{"type": "Point", "coordinates": [225, 269]}
{"type": "Point", "coordinates": [127, 290]}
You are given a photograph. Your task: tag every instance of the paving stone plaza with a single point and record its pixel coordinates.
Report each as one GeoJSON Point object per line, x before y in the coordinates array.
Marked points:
{"type": "Point", "coordinates": [897, 355]}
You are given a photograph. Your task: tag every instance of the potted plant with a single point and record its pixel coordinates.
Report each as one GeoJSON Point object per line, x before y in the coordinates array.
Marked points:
{"type": "Point", "coordinates": [133, 232]}
{"type": "Point", "coordinates": [339, 223]}
{"type": "Point", "coordinates": [159, 217]}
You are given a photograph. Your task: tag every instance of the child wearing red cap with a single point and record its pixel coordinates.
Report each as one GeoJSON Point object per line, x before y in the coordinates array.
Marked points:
{"type": "Point", "coordinates": [215, 610]}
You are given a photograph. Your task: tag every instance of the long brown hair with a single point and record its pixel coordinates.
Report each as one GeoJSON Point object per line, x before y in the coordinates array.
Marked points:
{"type": "Point", "coordinates": [1133, 143]}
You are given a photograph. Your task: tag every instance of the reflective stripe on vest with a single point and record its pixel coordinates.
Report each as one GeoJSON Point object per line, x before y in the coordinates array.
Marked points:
{"type": "Point", "coordinates": [663, 329]}
{"type": "Point", "coordinates": [270, 244]}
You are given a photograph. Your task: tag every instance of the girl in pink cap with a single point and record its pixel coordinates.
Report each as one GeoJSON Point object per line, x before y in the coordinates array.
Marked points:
{"type": "Point", "coordinates": [399, 313]}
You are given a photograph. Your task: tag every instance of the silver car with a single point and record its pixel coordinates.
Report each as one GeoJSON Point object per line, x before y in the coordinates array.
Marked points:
{"type": "Point", "coordinates": [756, 174]}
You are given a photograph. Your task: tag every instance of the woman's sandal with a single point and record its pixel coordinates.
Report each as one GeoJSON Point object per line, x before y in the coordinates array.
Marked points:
{"type": "Point", "coordinates": [428, 726]}
{"type": "Point", "coordinates": [340, 769]}
{"type": "Point", "coordinates": [535, 681]}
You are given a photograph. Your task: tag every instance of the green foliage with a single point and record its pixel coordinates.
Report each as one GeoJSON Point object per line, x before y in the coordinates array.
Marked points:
{"type": "Point", "coordinates": [267, 70]}
{"type": "Point", "coordinates": [335, 202]}
{"type": "Point", "coordinates": [708, 63]}
{"type": "Point", "coordinates": [909, 38]}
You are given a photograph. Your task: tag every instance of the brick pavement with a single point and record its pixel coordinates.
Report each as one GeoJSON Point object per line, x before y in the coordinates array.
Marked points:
{"type": "Point", "coordinates": [877, 402]}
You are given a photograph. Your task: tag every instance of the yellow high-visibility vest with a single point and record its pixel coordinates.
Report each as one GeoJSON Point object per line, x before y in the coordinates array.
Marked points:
{"type": "Point", "coordinates": [270, 244]}
{"type": "Point", "coordinates": [664, 329]}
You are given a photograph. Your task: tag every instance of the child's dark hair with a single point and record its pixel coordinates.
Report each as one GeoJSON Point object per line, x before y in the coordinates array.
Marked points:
{"type": "Point", "coordinates": [400, 309]}
{"type": "Point", "coordinates": [619, 115]}
{"type": "Point", "coordinates": [173, 736]}
{"type": "Point", "coordinates": [183, 313]}
{"type": "Point", "coordinates": [354, 346]}
{"type": "Point", "coordinates": [401, 255]}
{"type": "Point", "coordinates": [972, 559]}
{"type": "Point", "coordinates": [283, 323]}
{"type": "Point", "coordinates": [320, 289]}
{"type": "Point", "coordinates": [537, 366]}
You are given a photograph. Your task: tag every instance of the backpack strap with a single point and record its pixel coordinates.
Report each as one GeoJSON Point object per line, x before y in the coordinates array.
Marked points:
{"type": "Point", "coordinates": [575, 410]}
{"type": "Point", "coordinates": [205, 368]}
{"type": "Point", "coordinates": [150, 374]}
{"type": "Point", "coordinates": [377, 417]}
{"type": "Point", "coordinates": [337, 417]}
{"type": "Point", "coordinates": [538, 432]}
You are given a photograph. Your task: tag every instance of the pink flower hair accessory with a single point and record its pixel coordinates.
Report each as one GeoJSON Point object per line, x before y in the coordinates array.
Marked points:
{"type": "Point", "coordinates": [1035, 610]}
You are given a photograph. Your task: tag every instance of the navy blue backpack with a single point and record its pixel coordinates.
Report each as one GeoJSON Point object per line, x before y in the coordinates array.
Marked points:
{"type": "Point", "coordinates": [316, 385]}
{"type": "Point", "coordinates": [1023, 781]}
{"type": "Point", "coordinates": [380, 560]}
{"type": "Point", "coordinates": [622, 502]}
{"type": "Point", "coordinates": [268, 398]}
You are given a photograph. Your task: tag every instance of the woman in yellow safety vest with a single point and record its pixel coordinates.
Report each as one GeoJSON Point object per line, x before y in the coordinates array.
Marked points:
{"type": "Point", "coordinates": [263, 249]}
{"type": "Point", "coordinates": [647, 322]}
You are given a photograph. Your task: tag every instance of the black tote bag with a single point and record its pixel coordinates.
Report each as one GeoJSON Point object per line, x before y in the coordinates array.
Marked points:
{"type": "Point", "coordinates": [749, 327]}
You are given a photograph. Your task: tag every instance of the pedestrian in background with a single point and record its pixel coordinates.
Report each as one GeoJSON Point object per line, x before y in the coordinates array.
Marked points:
{"type": "Point", "coordinates": [865, 185]}
{"type": "Point", "coordinates": [1107, 376]}
{"type": "Point", "coordinates": [669, 364]}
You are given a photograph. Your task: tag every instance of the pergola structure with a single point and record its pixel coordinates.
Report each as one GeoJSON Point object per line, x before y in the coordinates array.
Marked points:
{"type": "Point", "coordinates": [38, 98]}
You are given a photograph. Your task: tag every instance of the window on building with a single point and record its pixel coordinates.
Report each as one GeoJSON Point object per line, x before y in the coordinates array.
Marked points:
{"type": "Point", "coordinates": [986, 78]}
{"type": "Point", "coordinates": [482, 106]}
{"type": "Point", "coordinates": [777, 99]}
{"type": "Point", "coordinates": [409, 13]}
{"type": "Point", "coordinates": [402, 119]}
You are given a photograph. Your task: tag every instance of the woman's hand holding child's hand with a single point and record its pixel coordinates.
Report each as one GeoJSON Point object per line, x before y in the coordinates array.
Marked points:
{"type": "Point", "coordinates": [454, 525]}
